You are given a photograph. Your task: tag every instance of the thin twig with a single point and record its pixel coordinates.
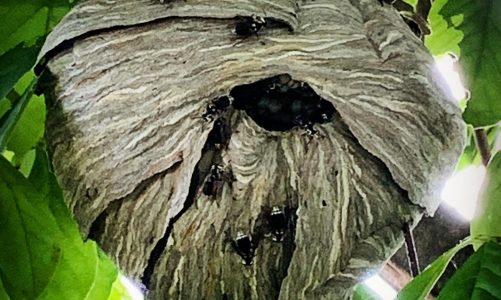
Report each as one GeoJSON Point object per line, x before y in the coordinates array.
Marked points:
{"type": "Point", "coordinates": [423, 8]}
{"type": "Point", "coordinates": [483, 145]}
{"type": "Point", "coordinates": [410, 245]}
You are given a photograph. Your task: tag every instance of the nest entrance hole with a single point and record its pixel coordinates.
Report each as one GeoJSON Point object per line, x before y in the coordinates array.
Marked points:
{"type": "Point", "coordinates": [280, 103]}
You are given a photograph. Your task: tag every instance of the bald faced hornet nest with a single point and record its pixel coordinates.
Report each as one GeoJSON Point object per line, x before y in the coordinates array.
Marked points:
{"type": "Point", "coordinates": [248, 26]}
{"type": "Point", "coordinates": [217, 106]}
{"type": "Point", "coordinates": [214, 181]}
{"type": "Point", "coordinates": [277, 223]}
{"type": "Point", "coordinates": [244, 247]}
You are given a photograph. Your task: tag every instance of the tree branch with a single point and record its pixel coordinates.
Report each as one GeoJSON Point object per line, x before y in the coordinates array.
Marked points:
{"type": "Point", "coordinates": [411, 250]}
{"type": "Point", "coordinates": [423, 8]}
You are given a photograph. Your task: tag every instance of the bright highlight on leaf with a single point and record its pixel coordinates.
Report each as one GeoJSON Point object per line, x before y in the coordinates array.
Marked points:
{"type": "Point", "coordinates": [132, 289]}
{"type": "Point", "coordinates": [462, 189]}
{"type": "Point", "coordinates": [446, 65]}
{"type": "Point", "coordinates": [381, 288]}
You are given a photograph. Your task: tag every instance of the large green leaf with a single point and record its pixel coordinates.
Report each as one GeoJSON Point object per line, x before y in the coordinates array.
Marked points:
{"type": "Point", "coordinates": [487, 220]}
{"type": "Point", "coordinates": [28, 20]}
{"type": "Point", "coordinates": [420, 286]}
{"type": "Point", "coordinates": [480, 22]}
{"type": "Point", "coordinates": [479, 278]}
{"type": "Point", "coordinates": [13, 64]}
{"type": "Point", "coordinates": [42, 255]}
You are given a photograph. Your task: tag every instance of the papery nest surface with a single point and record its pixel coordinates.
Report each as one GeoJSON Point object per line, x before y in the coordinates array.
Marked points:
{"type": "Point", "coordinates": [173, 188]}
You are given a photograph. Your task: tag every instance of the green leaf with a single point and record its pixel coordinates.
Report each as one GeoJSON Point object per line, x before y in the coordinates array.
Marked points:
{"type": "Point", "coordinates": [27, 21]}
{"type": "Point", "coordinates": [8, 122]}
{"type": "Point", "coordinates": [419, 287]}
{"type": "Point", "coordinates": [13, 64]}
{"type": "Point", "coordinates": [29, 128]}
{"type": "Point", "coordinates": [480, 56]}
{"type": "Point", "coordinates": [443, 38]}
{"type": "Point", "coordinates": [479, 278]}
{"type": "Point", "coordinates": [42, 255]}
{"type": "Point", "coordinates": [487, 220]}
{"type": "Point", "coordinates": [363, 292]}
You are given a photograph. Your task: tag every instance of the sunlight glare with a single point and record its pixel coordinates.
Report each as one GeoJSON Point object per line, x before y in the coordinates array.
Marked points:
{"type": "Point", "coordinates": [133, 290]}
{"type": "Point", "coordinates": [382, 288]}
{"type": "Point", "coordinates": [462, 189]}
{"type": "Point", "coordinates": [445, 65]}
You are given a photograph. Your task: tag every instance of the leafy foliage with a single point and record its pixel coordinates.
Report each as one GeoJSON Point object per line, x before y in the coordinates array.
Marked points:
{"type": "Point", "coordinates": [42, 251]}
{"type": "Point", "coordinates": [24, 26]}
{"type": "Point", "coordinates": [421, 286]}
{"type": "Point", "coordinates": [27, 21]}
{"type": "Point", "coordinates": [42, 255]}
{"type": "Point", "coordinates": [487, 221]}
{"type": "Point", "coordinates": [479, 278]}
{"type": "Point", "coordinates": [480, 24]}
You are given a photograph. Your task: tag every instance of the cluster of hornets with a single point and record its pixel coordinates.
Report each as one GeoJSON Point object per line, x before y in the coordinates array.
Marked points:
{"type": "Point", "coordinates": [277, 103]}
{"type": "Point", "coordinates": [278, 221]}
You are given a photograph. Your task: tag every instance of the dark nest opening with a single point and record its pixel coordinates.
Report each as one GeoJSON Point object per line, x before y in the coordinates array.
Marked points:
{"type": "Point", "coordinates": [280, 103]}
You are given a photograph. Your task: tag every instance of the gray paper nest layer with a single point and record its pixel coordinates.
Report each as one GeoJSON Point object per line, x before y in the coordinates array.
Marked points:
{"type": "Point", "coordinates": [125, 135]}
